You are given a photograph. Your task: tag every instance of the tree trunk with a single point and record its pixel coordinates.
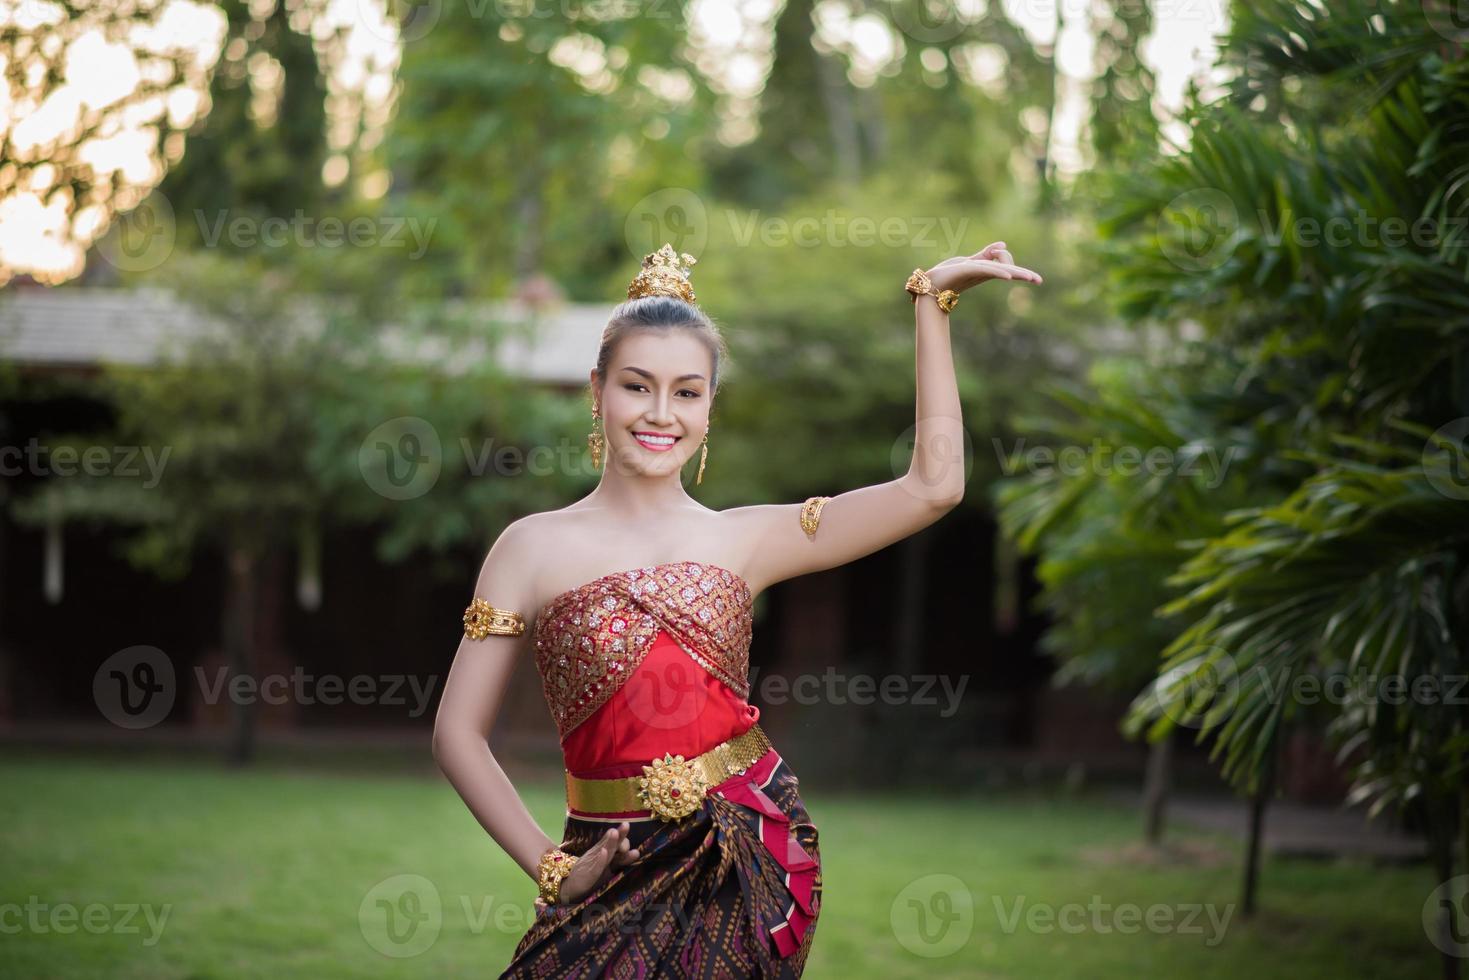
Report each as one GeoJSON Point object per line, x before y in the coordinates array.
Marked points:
{"type": "Point", "coordinates": [1444, 824]}
{"type": "Point", "coordinates": [1155, 789]}
{"type": "Point", "coordinates": [841, 117]}
{"type": "Point", "coordinates": [240, 648]}
{"type": "Point", "coordinates": [1258, 802]}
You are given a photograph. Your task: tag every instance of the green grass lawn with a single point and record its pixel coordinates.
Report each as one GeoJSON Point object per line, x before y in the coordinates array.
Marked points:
{"type": "Point", "coordinates": [275, 872]}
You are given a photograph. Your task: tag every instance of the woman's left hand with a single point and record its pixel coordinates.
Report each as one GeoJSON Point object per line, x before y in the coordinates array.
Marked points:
{"type": "Point", "coordinates": [994, 261]}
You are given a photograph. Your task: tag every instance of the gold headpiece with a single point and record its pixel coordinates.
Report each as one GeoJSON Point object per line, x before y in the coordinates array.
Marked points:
{"type": "Point", "coordinates": [662, 276]}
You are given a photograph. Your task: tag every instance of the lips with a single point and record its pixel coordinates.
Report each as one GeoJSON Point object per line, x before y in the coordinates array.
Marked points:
{"type": "Point", "coordinates": [654, 442]}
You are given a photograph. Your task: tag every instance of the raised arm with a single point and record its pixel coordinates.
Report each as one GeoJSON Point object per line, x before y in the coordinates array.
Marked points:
{"type": "Point", "coordinates": [859, 522]}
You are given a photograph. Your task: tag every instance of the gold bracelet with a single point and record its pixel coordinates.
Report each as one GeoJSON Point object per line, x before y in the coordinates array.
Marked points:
{"type": "Point", "coordinates": [555, 865]}
{"type": "Point", "coordinates": [919, 284]}
{"type": "Point", "coordinates": [811, 515]}
{"type": "Point", "coordinates": [482, 619]}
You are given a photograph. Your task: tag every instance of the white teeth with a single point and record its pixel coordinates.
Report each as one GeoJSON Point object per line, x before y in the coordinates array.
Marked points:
{"type": "Point", "coordinates": [656, 440]}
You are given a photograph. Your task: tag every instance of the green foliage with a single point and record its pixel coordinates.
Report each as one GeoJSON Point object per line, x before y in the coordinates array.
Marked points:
{"type": "Point", "coordinates": [1285, 236]}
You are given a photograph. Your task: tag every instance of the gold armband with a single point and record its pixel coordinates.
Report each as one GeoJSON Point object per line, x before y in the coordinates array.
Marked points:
{"type": "Point", "coordinates": [811, 515]}
{"type": "Point", "coordinates": [482, 619]}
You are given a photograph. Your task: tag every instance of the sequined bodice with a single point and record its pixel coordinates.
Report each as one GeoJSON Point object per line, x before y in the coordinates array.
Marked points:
{"type": "Point", "coordinates": [590, 639]}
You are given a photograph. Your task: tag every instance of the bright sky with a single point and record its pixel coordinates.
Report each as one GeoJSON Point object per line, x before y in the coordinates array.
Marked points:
{"type": "Point", "coordinates": [731, 44]}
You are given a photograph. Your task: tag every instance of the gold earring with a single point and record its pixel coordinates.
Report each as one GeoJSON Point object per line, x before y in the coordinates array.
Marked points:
{"type": "Point", "coordinates": [703, 458]}
{"type": "Point", "coordinates": [596, 441]}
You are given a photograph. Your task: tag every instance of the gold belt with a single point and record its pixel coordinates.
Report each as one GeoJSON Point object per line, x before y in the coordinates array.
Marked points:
{"type": "Point", "coordinates": [672, 787]}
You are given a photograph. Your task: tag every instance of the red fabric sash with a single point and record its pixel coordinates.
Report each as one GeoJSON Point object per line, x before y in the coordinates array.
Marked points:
{"type": "Point", "coordinates": [775, 834]}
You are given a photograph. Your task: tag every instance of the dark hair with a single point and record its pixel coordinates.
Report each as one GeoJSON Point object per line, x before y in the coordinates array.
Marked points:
{"type": "Point", "coordinates": [661, 315]}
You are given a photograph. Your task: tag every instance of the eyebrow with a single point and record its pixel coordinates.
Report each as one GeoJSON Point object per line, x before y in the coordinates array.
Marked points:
{"type": "Point", "coordinates": [649, 376]}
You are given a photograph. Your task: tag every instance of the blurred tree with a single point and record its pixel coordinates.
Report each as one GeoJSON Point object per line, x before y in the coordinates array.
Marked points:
{"type": "Point", "coordinates": [49, 162]}
{"type": "Point", "coordinates": [286, 410]}
{"type": "Point", "coordinates": [1315, 228]}
{"type": "Point", "coordinates": [258, 152]}
{"type": "Point", "coordinates": [523, 133]}
{"type": "Point", "coordinates": [1122, 121]}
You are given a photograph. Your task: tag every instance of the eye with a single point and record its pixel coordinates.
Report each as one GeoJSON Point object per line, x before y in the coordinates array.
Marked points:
{"type": "Point", "coordinates": [685, 391]}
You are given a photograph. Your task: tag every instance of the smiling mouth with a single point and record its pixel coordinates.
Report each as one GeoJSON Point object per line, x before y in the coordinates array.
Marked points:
{"type": "Point", "coordinates": [657, 444]}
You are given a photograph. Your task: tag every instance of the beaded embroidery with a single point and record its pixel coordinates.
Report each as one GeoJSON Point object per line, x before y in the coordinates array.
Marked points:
{"type": "Point", "coordinates": [590, 639]}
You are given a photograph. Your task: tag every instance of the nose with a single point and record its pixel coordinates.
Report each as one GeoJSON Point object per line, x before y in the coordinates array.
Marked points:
{"type": "Point", "coordinates": [661, 414]}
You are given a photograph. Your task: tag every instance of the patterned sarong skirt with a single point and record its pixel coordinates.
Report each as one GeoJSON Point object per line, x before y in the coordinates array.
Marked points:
{"type": "Point", "coordinates": [731, 890]}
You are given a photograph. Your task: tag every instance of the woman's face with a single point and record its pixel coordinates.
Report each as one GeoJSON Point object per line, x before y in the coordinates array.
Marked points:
{"type": "Point", "coordinates": [657, 388]}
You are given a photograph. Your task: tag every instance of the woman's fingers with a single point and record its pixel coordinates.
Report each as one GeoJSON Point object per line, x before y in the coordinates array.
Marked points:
{"type": "Point", "coordinates": [1008, 270]}
{"type": "Point", "coordinates": [988, 251]}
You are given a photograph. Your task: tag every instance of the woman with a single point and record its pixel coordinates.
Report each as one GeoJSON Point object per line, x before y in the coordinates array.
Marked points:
{"type": "Point", "coordinates": [687, 851]}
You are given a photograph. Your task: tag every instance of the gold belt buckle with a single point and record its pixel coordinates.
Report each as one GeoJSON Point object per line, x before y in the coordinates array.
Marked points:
{"type": "Point", "coordinates": [672, 787]}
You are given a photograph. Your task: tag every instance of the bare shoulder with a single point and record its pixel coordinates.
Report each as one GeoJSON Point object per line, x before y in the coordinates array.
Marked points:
{"type": "Point", "coordinates": [510, 574]}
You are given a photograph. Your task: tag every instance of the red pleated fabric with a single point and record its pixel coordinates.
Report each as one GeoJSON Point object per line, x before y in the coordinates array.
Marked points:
{"type": "Point", "coordinates": [669, 704]}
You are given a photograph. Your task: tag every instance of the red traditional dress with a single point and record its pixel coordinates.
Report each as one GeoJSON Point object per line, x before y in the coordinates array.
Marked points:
{"type": "Point", "coordinates": [635, 665]}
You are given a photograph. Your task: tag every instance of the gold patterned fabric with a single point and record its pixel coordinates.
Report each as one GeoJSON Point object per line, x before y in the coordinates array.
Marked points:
{"type": "Point", "coordinates": [590, 639]}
